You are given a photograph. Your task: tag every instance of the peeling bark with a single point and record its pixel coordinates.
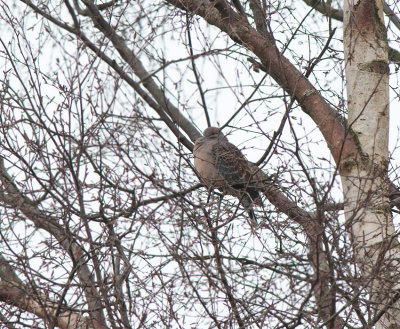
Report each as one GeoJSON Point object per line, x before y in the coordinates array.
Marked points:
{"type": "Point", "coordinates": [365, 183]}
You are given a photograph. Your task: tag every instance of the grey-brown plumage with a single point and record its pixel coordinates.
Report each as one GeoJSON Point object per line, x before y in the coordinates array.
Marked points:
{"type": "Point", "coordinates": [221, 165]}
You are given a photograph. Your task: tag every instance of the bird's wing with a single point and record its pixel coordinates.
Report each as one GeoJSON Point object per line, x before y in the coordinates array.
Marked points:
{"type": "Point", "coordinates": [231, 164]}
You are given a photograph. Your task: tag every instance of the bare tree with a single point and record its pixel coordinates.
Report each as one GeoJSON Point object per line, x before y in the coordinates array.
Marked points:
{"type": "Point", "coordinates": [104, 222]}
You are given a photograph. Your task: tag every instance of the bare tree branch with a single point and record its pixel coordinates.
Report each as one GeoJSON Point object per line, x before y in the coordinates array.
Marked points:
{"type": "Point", "coordinates": [12, 197]}
{"type": "Point", "coordinates": [281, 70]}
{"type": "Point", "coordinates": [194, 134]}
{"type": "Point", "coordinates": [323, 8]}
{"type": "Point", "coordinates": [140, 71]}
{"type": "Point", "coordinates": [15, 293]}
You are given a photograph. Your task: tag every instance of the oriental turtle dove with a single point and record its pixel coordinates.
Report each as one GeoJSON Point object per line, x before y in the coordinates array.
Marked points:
{"type": "Point", "coordinates": [221, 165]}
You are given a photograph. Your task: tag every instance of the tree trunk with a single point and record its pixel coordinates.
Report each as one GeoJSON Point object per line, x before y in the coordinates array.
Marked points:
{"type": "Point", "coordinates": [364, 180]}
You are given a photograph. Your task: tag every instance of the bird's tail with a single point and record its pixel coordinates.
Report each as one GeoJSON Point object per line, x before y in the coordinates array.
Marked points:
{"type": "Point", "coordinates": [248, 199]}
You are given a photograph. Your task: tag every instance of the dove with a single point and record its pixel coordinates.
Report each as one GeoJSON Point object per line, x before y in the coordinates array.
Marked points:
{"type": "Point", "coordinates": [221, 165]}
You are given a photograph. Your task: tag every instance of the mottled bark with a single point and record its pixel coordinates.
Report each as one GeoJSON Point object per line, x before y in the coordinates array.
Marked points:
{"type": "Point", "coordinates": [365, 183]}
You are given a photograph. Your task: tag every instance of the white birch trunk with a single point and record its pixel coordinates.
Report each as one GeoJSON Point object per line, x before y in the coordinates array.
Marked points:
{"type": "Point", "coordinates": [364, 180]}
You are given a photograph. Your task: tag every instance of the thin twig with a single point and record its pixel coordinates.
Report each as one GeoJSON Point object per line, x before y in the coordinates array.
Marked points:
{"type": "Point", "coordinates": [194, 69]}
{"type": "Point", "coordinates": [318, 59]}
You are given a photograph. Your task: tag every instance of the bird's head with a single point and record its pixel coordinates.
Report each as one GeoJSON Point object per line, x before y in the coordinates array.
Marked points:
{"type": "Point", "coordinates": [209, 134]}
{"type": "Point", "coordinates": [214, 132]}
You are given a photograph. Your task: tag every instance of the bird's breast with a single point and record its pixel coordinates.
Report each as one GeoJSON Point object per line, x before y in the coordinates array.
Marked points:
{"type": "Point", "coordinates": [204, 163]}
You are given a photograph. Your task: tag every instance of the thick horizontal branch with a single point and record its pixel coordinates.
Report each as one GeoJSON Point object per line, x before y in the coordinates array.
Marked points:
{"type": "Point", "coordinates": [41, 306]}
{"type": "Point", "coordinates": [13, 292]}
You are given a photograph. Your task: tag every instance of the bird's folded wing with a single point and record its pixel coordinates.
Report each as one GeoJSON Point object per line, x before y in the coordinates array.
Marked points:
{"type": "Point", "coordinates": [231, 164]}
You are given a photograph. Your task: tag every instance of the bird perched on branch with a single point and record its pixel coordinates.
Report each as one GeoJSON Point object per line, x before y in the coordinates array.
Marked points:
{"type": "Point", "coordinates": [221, 165]}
